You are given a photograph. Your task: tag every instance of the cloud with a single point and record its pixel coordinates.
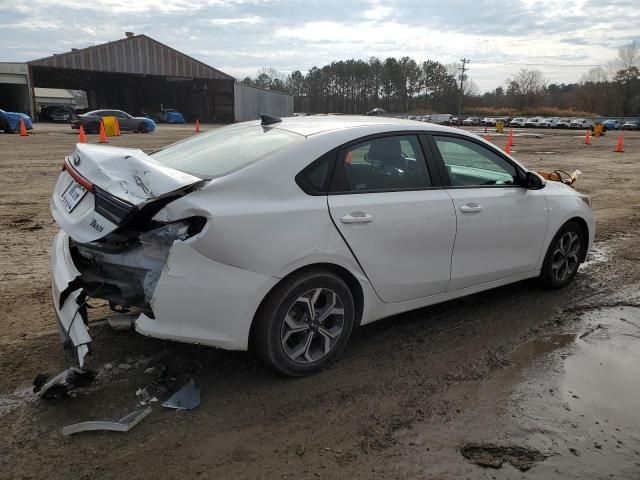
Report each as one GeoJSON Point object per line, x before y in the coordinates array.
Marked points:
{"type": "Point", "coordinates": [242, 36]}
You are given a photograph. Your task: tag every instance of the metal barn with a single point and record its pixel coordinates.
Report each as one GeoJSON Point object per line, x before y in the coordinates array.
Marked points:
{"type": "Point", "coordinates": [139, 74]}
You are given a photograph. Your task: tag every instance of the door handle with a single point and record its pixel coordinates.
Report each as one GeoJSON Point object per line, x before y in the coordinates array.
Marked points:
{"type": "Point", "coordinates": [357, 217]}
{"type": "Point", "coordinates": [471, 208]}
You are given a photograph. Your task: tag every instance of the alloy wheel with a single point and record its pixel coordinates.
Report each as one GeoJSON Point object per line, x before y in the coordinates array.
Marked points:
{"type": "Point", "coordinates": [565, 259]}
{"type": "Point", "coordinates": [312, 325]}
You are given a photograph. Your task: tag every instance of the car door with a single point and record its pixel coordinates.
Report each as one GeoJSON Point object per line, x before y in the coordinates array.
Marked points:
{"type": "Point", "coordinates": [124, 120]}
{"type": "Point", "coordinates": [501, 226]}
{"type": "Point", "coordinates": [398, 222]}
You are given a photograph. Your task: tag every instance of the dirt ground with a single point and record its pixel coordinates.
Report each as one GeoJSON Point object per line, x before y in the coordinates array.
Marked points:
{"type": "Point", "coordinates": [512, 383]}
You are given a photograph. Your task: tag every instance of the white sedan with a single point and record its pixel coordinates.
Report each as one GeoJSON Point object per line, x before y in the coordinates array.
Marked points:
{"type": "Point", "coordinates": [286, 234]}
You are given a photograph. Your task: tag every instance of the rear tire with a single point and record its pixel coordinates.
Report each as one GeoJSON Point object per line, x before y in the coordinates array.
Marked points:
{"type": "Point", "coordinates": [305, 323]}
{"type": "Point", "coordinates": [563, 256]}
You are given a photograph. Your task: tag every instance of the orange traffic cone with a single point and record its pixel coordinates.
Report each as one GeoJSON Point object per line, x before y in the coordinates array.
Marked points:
{"type": "Point", "coordinates": [620, 144]}
{"type": "Point", "coordinates": [510, 140]}
{"type": "Point", "coordinates": [103, 135]}
{"type": "Point", "coordinates": [508, 148]}
{"type": "Point", "coordinates": [82, 138]}
{"type": "Point", "coordinates": [117, 128]}
{"type": "Point", "coordinates": [23, 129]}
{"type": "Point", "coordinates": [197, 126]}
{"type": "Point", "coordinates": [487, 137]}
{"type": "Point", "coordinates": [587, 138]}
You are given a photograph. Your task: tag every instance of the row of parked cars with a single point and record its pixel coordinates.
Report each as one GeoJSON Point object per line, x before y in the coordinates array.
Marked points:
{"type": "Point", "coordinates": [66, 114]}
{"type": "Point", "coordinates": [550, 122]}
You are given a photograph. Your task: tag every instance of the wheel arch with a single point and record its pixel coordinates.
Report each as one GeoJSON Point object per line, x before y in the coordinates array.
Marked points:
{"type": "Point", "coordinates": [581, 222]}
{"type": "Point", "coordinates": [349, 278]}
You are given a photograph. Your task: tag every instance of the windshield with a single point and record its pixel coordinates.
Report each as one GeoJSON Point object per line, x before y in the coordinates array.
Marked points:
{"type": "Point", "coordinates": [225, 150]}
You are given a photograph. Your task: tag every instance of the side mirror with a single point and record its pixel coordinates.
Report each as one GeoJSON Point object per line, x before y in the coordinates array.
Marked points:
{"type": "Point", "coordinates": [533, 181]}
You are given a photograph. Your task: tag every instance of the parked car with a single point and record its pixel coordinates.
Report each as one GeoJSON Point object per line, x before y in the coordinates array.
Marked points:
{"type": "Point", "coordinates": [488, 121]}
{"type": "Point", "coordinates": [471, 121]}
{"type": "Point", "coordinates": [612, 124]}
{"type": "Point", "coordinates": [293, 268]}
{"type": "Point", "coordinates": [377, 111]}
{"type": "Point", "coordinates": [169, 115]}
{"type": "Point", "coordinates": [580, 123]}
{"type": "Point", "coordinates": [547, 123]}
{"type": "Point", "coordinates": [90, 121]}
{"type": "Point", "coordinates": [10, 121]}
{"type": "Point", "coordinates": [631, 125]}
{"type": "Point", "coordinates": [62, 114]}
{"type": "Point", "coordinates": [441, 118]}
{"type": "Point", "coordinates": [531, 122]}
{"type": "Point", "coordinates": [563, 123]}
{"type": "Point", "coordinates": [517, 122]}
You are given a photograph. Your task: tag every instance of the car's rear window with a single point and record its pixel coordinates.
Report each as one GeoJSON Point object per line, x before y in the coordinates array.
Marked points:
{"type": "Point", "coordinates": [225, 149]}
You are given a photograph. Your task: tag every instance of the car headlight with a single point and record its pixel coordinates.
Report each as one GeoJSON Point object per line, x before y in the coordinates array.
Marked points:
{"type": "Point", "coordinates": [586, 199]}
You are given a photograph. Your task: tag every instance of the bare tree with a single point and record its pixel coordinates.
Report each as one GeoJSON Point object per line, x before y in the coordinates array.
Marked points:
{"type": "Point", "coordinates": [594, 95]}
{"type": "Point", "coordinates": [527, 88]}
{"type": "Point", "coordinates": [627, 77]}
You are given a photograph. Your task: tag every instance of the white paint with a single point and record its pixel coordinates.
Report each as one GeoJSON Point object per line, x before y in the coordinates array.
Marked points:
{"type": "Point", "coordinates": [262, 226]}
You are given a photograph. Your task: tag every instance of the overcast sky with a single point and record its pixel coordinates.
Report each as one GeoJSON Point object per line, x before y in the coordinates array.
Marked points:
{"type": "Point", "coordinates": [563, 38]}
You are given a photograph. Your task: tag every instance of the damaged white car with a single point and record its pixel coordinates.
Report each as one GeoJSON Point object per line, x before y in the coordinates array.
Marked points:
{"type": "Point", "coordinates": [284, 235]}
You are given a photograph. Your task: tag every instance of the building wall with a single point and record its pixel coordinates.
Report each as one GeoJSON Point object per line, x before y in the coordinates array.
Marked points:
{"type": "Point", "coordinates": [250, 103]}
{"type": "Point", "coordinates": [14, 88]}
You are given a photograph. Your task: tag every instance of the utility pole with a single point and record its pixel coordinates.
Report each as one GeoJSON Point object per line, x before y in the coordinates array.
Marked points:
{"type": "Point", "coordinates": [461, 94]}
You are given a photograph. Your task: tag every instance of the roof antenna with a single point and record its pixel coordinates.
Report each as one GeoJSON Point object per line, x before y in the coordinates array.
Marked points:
{"type": "Point", "coordinates": [269, 120]}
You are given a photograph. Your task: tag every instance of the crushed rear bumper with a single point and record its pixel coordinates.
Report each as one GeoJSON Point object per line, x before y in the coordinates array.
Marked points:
{"type": "Point", "coordinates": [68, 299]}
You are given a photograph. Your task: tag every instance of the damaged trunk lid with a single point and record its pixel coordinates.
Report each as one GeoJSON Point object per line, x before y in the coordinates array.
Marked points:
{"type": "Point", "coordinates": [104, 188]}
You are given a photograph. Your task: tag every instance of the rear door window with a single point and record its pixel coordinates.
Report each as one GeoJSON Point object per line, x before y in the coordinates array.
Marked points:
{"type": "Point", "coordinates": [380, 164]}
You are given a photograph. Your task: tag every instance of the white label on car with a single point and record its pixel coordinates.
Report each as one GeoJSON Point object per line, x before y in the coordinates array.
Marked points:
{"type": "Point", "coordinates": [72, 195]}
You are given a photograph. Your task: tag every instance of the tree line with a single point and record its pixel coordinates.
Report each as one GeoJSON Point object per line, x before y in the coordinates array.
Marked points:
{"type": "Point", "coordinates": [404, 85]}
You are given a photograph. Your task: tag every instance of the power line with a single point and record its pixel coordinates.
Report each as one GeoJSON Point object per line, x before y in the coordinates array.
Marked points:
{"type": "Point", "coordinates": [543, 64]}
{"type": "Point", "coordinates": [460, 95]}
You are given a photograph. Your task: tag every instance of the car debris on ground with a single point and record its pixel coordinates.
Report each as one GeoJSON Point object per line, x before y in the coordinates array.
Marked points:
{"type": "Point", "coordinates": [187, 398]}
{"type": "Point", "coordinates": [61, 384]}
{"type": "Point", "coordinates": [125, 424]}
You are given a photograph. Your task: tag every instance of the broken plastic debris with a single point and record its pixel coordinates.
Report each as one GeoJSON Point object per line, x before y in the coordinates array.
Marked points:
{"type": "Point", "coordinates": [187, 398]}
{"type": "Point", "coordinates": [120, 322]}
{"type": "Point", "coordinates": [125, 424]}
{"type": "Point", "coordinates": [60, 385]}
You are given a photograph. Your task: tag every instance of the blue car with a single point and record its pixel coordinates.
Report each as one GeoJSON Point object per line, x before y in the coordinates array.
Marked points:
{"type": "Point", "coordinates": [10, 121]}
{"type": "Point", "coordinates": [169, 115]}
{"type": "Point", "coordinates": [611, 124]}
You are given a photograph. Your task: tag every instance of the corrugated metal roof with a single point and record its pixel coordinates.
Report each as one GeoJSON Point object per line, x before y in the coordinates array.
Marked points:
{"type": "Point", "coordinates": [52, 92]}
{"type": "Point", "coordinates": [138, 54]}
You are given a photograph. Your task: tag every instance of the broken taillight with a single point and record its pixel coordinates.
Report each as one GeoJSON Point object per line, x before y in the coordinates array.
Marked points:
{"type": "Point", "coordinates": [76, 176]}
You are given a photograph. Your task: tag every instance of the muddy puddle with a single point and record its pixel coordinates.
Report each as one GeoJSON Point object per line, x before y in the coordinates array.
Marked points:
{"type": "Point", "coordinates": [567, 406]}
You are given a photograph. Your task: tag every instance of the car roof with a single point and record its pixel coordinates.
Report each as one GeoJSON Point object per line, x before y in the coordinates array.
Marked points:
{"type": "Point", "coordinates": [315, 124]}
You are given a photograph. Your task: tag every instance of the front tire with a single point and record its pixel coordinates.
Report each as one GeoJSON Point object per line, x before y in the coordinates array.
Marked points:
{"type": "Point", "coordinates": [143, 128]}
{"type": "Point", "coordinates": [563, 256]}
{"type": "Point", "coordinates": [305, 323]}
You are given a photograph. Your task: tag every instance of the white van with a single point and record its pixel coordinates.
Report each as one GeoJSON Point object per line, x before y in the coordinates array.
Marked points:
{"type": "Point", "coordinates": [442, 118]}
{"type": "Point", "coordinates": [581, 123]}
